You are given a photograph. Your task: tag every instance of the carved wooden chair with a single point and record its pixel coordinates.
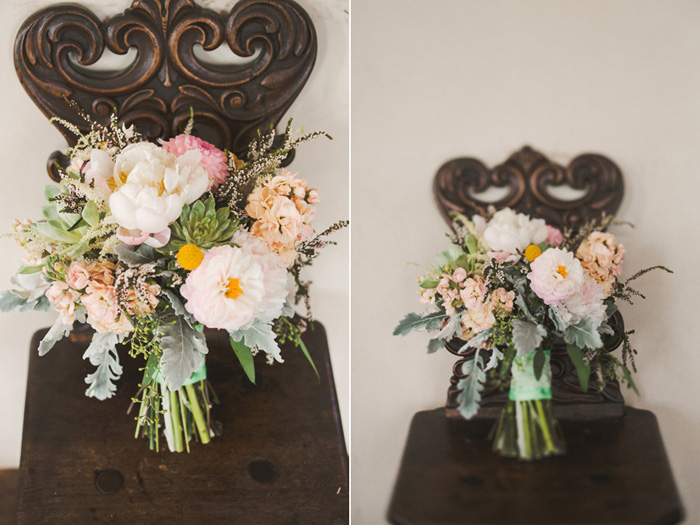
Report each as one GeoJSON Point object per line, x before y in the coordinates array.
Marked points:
{"type": "Point", "coordinates": [282, 435]}
{"type": "Point", "coordinates": [616, 458]}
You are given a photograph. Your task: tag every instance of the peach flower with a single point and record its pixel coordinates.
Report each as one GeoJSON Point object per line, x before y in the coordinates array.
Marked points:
{"type": "Point", "coordinates": [63, 299]}
{"type": "Point", "coordinates": [601, 257]}
{"type": "Point", "coordinates": [501, 300]}
{"type": "Point", "coordinates": [78, 275]}
{"type": "Point", "coordinates": [103, 312]}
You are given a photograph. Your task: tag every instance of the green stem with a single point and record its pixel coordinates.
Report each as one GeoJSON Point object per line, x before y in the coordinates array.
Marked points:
{"type": "Point", "coordinates": [184, 420]}
{"type": "Point", "coordinates": [545, 426]}
{"type": "Point", "coordinates": [197, 414]}
{"type": "Point", "coordinates": [175, 419]}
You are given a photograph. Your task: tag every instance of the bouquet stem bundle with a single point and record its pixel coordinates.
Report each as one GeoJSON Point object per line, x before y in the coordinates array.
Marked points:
{"type": "Point", "coordinates": [183, 414]}
{"type": "Point", "coordinates": [527, 428]}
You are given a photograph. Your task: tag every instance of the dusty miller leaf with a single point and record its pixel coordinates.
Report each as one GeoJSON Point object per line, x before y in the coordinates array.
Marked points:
{"type": "Point", "coordinates": [102, 353]}
{"type": "Point", "coordinates": [413, 321]}
{"type": "Point", "coordinates": [527, 336]}
{"type": "Point", "coordinates": [57, 332]}
{"type": "Point", "coordinates": [132, 256]}
{"type": "Point", "coordinates": [496, 356]}
{"type": "Point", "coordinates": [471, 386]}
{"type": "Point", "coordinates": [435, 344]}
{"type": "Point", "coordinates": [259, 335]}
{"type": "Point", "coordinates": [584, 334]}
{"type": "Point", "coordinates": [183, 351]}
{"type": "Point", "coordinates": [478, 339]}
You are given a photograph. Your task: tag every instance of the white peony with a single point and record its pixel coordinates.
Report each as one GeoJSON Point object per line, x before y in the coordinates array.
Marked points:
{"type": "Point", "coordinates": [149, 188]}
{"type": "Point", "coordinates": [588, 303]}
{"type": "Point", "coordinates": [508, 231]}
{"type": "Point", "coordinates": [234, 286]}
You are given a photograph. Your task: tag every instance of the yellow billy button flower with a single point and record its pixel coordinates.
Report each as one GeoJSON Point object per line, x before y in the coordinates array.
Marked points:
{"type": "Point", "coordinates": [532, 252]}
{"type": "Point", "coordinates": [233, 289]}
{"type": "Point", "coordinates": [190, 256]}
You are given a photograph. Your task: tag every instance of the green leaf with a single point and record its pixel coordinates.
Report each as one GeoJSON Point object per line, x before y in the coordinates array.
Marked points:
{"type": "Point", "coordinates": [183, 351]}
{"type": "Point", "coordinates": [26, 270]}
{"type": "Point", "coordinates": [471, 244]}
{"type": "Point", "coordinates": [245, 356]}
{"type": "Point", "coordinates": [9, 301]}
{"type": "Point", "coordinates": [527, 336]}
{"type": "Point", "coordinates": [584, 334]}
{"type": "Point", "coordinates": [260, 334]}
{"type": "Point", "coordinates": [538, 363]}
{"type": "Point", "coordinates": [583, 370]}
{"type": "Point", "coordinates": [102, 353]}
{"type": "Point", "coordinates": [429, 283]}
{"type": "Point", "coordinates": [50, 212]}
{"type": "Point", "coordinates": [413, 321]}
{"type": "Point", "coordinates": [47, 230]}
{"type": "Point", "coordinates": [308, 356]}
{"type": "Point", "coordinates": [51, 191]}
{"type": "Point", "coordinates": [435, 344]}
{"type": "Point", "coordinates": [628, 378]}
{"type": "Point", "coordinates": [90, 213]}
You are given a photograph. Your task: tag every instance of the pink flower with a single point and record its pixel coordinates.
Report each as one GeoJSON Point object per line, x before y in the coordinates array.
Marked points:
{"type": "Point", "coordinates": [556, 276]}
{"type": "Point", "coordinates": [588, 303]}
{"type": "Point", "coordinates": [77, 275]}
{"type": "Point", "coordinates": [233, 286]}
{"type": "Point", "coordinates": [282, 214]}
{"type": "Point", "coordinates": [213, 159]}
{"type": "Point", "coordinates": [136, 237]}
{"type": "Point", "coordinates": [473, 293]}
{"type": "Point", "coordinates": [501, 300]}
{"type": "Point", "coordinates": [459, 275]}
{"type": "Point", "coordinates": [63, 299]}
{"type": "Point", "coordinates": [554, 236]}
{"type": "Point", "coordinates": [104, 314]}
{"type": "Point", "coordinates": [602, 259]}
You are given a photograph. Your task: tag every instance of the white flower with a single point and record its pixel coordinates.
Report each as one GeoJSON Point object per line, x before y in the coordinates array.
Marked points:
{"type": "Point", "coordinates": [150, 187]}
{"type": "Point", "coordinates": [508, 231]}
{"type": "Point", "coordinates": [556, 276]}
{"type": "Point", "coordinates": [233, 286]}
{"type": "Point", "coordinates": [588, 303]}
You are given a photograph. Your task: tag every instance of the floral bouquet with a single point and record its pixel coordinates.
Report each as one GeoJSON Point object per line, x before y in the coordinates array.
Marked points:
{"type": "Point", "coordinates": [150, 243]}
{"type": "Point", "coordinates": [508, 289]}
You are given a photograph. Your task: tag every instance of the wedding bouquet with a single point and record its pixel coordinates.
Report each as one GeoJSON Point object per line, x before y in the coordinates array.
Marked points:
{"type": "Point", "coordinates": [149, 243]}
{"type": "Point", "coordinates": [508, 289]}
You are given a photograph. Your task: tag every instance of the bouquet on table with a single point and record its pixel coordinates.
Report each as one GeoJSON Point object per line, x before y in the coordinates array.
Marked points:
{"type": "Point", "coordinates": [150, 243]}
{"type": "Point", "coordinates": [509, 287]}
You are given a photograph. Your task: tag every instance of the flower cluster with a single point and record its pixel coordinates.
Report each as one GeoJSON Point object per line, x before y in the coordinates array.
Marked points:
{"type": "Point", "coordinates": [152, 242]}
{"type": "Point", "coordinates": [507, 285]}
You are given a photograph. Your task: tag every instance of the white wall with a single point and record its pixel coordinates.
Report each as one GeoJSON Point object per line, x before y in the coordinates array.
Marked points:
{"type": "Point", "coordinates": [26, 139]}
{"type": "Point", "coordinates": [440, 79]}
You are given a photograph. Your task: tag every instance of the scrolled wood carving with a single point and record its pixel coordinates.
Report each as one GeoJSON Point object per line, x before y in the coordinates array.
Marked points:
{"type": "Point", "coordinates": [55, 48]}
{"type": "Point", "coordinates": [528, 176]}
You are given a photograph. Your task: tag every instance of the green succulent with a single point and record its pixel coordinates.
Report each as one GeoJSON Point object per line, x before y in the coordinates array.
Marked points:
{"type": "Point", "coordinates": [203, 225]}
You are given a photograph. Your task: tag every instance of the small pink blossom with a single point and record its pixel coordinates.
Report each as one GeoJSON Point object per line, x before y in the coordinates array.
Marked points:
{"type": "Point", "coordinates": [473, 293]}
{"type": "Point", "coordinates": [103, 312]}
{"type": "Point", "coordinates": [501, 300]}
{"type": "Point", "coordinates": [459, 275]}
{"type": "Point", "coordinates": [213, 159]}
{"type": "Point", "coordinates": [63, 299]}
{"type": "Point", "coordinates": [78, 275]}
{"type": "Point", "coordinates": [554, 236]}
{"type": "Point", "coordinates": [602, 259]}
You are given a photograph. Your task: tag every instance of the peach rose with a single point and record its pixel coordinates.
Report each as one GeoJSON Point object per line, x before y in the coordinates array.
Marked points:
{"type": "Point", "coordinates": [78, 275]}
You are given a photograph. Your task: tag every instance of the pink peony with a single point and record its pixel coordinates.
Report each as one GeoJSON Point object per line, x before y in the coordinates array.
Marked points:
{"type": "Point", "coordinates": [588, 303]}
{"type": "Point", "coordinates": [556, 276]}
{"type": "Point", "coordinates": [554, 236]}
{"type": "Point", "coordinates": [213, 159]}
{"type": "Point", "coordinates": [233, 286]}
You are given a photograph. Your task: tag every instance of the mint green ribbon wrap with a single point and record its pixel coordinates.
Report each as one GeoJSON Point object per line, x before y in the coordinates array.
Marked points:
{"type": "Point", "coordinates": [524, 386]}
{"type": "Point", "coordinates": [196, 377]}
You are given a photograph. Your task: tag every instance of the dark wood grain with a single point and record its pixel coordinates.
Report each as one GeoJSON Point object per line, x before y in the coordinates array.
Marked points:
{"type": "Point", "coordinates": [615, 471]}
{"type": "Point", "coordinates": [8, 496]}
{"type": "Point", "coordinates": [56, 48]}
{"type": "Point", "coordinates": [281, 458]}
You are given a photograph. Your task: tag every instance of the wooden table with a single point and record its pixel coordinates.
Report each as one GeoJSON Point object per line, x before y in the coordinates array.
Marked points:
{"type": "Point", "coordinates": [615, 471]}
{"type": "Point", "coordinates": [281, 458]}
